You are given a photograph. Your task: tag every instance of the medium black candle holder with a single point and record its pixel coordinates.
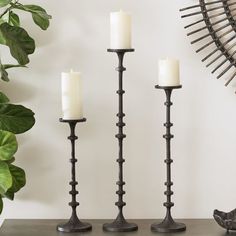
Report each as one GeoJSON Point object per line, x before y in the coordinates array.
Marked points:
{"type": "Point", "coordinates": [120, 224]}
{"type": "Point", "coordinates": [168, 224]}
{"type": "Point", "coordinates": [74, 224]}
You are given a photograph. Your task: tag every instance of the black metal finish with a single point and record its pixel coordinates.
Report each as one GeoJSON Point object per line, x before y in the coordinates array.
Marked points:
{"type": "Point", "coordinates": [74, 224]}
{"type": "Point", "coordinates": [224, 42]}
{"type": "Point", "coordinates": [120, 224]}
{"type": "Point", "coordinates": [168, 224]}
{"type": "Point", "coordinates": [226, 220]}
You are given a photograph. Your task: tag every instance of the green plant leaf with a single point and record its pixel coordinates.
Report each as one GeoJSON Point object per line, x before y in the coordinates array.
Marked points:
{"type": "Point", "coordinates": [2, 39]}
{"type": "Point", "coordinates": [40, 16]}
{"type": "Point", "coordinates": [9, 195]}
{"type": "Point", "coordinates": [4, 3]}
{"type": "Point", "coordinates": [5, 177]}
{"type": "Point", "coordinates": [4, 74]}
{"type": "Point", "coordinates": [19, 42]}
{"type": "Point", "coordinates": [11, 160]}
{"type": "Point", "coordinates": [14, 19]}
{"type": "Point", "coordinates": [18, 178]}
{"type": "Point", "coordinates": [8, 145]}
{"type": "Point", "coordinates": [1, 204]}
{"type": "Point", "coordinates": [3, 98]}
{"type": "Point", "coordinates": [18, 181]}
{"type": "Point", "coordinates": [16, 118]}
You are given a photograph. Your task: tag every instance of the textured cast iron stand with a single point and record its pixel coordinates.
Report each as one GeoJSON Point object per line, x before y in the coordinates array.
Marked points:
{"type": "Point", "coordinates": [168, 224]}
{"type": "Point", "coordinates": [74, 224]}
{"type": "Point", "coordinates": [120, 224]}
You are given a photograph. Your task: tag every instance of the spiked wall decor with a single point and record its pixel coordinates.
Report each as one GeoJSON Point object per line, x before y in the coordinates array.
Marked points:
{"type": "Point", "coordinates": [213, 24]}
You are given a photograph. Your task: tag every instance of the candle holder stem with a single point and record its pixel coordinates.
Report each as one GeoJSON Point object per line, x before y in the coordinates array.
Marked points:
{"type": "Point", "coordinates": [168, 224]}
{"type": "Point", "coordinates": [74, 224]}
{"type": "Point", "coordinates": [120, 224]}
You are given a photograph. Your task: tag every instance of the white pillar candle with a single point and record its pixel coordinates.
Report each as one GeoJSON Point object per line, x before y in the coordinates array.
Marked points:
{"type": "Point", "coordinates": [168, 72]}
{"type": "Point", "coordinates": [71, 96]}
{"type": "Point", "coordinates": [120, 30]}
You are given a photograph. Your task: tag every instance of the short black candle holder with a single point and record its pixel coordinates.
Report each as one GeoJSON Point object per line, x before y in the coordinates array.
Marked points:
{"type": "Point", "coordinates": [168, 225]}
{"type": "Point", "coordinates": [120, 224]}
{"type": "Point", "coordinates": [74, 224]}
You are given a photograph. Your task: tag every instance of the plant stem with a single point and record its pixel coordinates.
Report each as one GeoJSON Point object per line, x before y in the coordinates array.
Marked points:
{"type": "Point", "coordinates": [5, 12]}
{"type": "Point", "coordinates": [8, 9]}
{"type": "Point", "coordinates": [12, 5]}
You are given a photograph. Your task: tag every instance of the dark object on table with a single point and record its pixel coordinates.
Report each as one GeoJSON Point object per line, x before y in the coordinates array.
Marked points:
{"type": "Point", "coordinates": [120, 224]}
{"type": "Point", "coordinates": [226, 220]}
{"type": "Point", "coordinates": [74, 224]}
{"type": "Point", "coordinates": [168, 225]}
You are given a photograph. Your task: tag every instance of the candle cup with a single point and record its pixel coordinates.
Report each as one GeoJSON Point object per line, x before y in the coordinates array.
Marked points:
{"type": "Point", "coordinates": [120, 224]}
{"type": "Point", "coordinates": [74, 224]}
{"type": "Point", "coordinates": [168, 225]}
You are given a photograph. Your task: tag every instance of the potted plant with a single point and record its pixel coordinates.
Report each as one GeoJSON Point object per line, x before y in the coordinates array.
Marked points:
{"type": "Point", "coordinates": [15, 119]}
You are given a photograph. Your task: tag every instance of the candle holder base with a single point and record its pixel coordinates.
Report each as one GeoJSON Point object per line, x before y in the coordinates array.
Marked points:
{"type": "Point", "coordinates": [120, 225]}
{"type": "Point", "coordinates": [168, 226]}
{"type": "Point", "coordinates": [73, 226]}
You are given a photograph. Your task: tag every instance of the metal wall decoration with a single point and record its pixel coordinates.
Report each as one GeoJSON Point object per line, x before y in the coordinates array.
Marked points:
{"type": "Point", "coordinates": [213, 24]}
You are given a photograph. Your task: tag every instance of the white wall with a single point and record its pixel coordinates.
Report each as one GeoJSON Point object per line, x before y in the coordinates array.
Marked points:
{"type": "Point", "coordinates": [203, 117]}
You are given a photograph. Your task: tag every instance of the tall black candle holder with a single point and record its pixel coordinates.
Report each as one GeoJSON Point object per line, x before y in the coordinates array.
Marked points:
{"type": "Point", "coordinates": [74, 224]}
{"type": "Point", "coordinates": [120, 224]}
{"type": "Point", "coordinates": [168, 224]}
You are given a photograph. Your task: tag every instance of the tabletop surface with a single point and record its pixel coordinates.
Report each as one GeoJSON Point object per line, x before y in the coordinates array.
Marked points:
{"type": "Point", "coordinates": [48, 228]}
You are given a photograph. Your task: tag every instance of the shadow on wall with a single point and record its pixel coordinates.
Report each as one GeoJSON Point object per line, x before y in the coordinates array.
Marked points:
{"type": "Point", "coordinates": [17, 91]}
{"type": "Point", "coordinates": [37, 183]}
